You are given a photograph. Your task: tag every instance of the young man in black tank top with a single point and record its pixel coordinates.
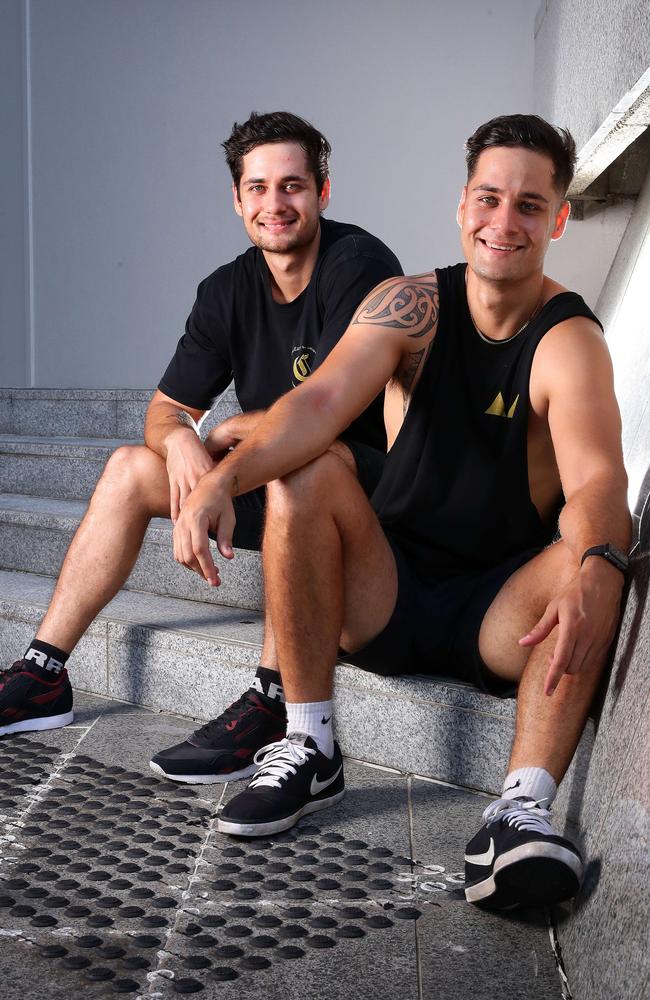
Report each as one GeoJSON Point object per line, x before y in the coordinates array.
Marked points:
{"type": "Point", "coordinates": [265, 320]}
{"type": "Point", "coordinates": [500, 410]}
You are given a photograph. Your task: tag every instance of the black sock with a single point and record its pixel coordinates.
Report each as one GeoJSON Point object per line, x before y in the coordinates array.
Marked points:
{"type": "Point", "coordinates": [269, 683]}
{"type": "Point", "coordinates": [44, 660]}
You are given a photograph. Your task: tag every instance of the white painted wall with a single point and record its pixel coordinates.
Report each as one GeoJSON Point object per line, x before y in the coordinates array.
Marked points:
{"type": "Point", "coordinates": [623, 307]}
{"type": "Point", "coordinates": [130, 100]}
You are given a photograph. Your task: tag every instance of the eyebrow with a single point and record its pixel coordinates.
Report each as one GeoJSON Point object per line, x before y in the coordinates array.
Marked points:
{"type": "Point", "coordinates": [284, 180]}
{"type": "Point", "coordinates": [530, 195]}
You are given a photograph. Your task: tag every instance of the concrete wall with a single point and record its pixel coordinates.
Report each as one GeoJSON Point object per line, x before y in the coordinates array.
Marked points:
{"type": "Point", "coordinates": [588, 54]}
{"type": "Point", "coordinates": [130, 100]}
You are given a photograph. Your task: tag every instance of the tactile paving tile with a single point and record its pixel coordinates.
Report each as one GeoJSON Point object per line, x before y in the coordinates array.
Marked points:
{"type": "Point", "coordinates": [258, 905]}
{"type": "Point", "coordinates": [93, 872]}
{"type": "Point", "coordinates": [123, 881]}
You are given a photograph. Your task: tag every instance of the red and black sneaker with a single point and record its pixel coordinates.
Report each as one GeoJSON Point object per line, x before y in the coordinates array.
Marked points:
{"type": "Point", "coordinates": [28, 703]}
{"type": "Point", "coordinates": [223, 749]}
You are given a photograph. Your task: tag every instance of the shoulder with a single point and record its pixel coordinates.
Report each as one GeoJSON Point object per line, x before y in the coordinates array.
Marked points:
{"type": "Point", "coordinates": [229, 280]}
{"type": "Point", "coordinates": [345, 243]}
{"type": "Point", "coordinates": [571, 357]}
{"type": "Point", "coordinates": [410, 303]}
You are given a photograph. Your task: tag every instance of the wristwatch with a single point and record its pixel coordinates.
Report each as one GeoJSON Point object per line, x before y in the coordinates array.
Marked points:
{"type": "Point", "coordinates": [611, 554]}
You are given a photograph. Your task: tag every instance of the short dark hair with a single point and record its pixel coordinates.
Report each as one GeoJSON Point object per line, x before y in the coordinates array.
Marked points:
{"type": "Point", "coordinates": [277, 126]}
{"type": "Point", "coordinates": [531, 132]}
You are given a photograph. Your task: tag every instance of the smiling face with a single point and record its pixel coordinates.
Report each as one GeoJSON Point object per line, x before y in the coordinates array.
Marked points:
{"type": "Point", "coordinates": [509, 212]}
{"type": "Point", "coordinates": [277, 198]}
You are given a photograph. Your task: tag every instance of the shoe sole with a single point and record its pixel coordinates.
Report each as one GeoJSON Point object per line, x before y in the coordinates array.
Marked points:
{"type": "Point", "coordinates": [535, 874]}
{"type": "Point", "coordinates": [204, 779]}
{"type": "Point", "coordinates": [38, 725]}
{"type": "Point", "coordinates": [276, 826]}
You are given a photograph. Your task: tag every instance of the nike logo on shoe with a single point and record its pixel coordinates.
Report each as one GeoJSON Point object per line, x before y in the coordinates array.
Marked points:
{"type": "Point", "coordinates": [324, 720]}
{"type": "Point", "coordinates": [317, 786]}
{"type": "Point", "coordinates": [511, 788]}
{"type": "Point", "coordinates": [485, 859]}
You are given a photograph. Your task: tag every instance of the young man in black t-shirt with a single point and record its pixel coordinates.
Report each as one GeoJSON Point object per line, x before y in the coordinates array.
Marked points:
{"type": "Point", "coordinates": [266, 320]}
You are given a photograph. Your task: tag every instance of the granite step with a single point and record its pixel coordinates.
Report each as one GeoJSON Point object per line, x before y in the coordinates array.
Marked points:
{"type": "Point", "coordinates": [87, 413]}
{"type": "Point", "coordinates": [193, 658]}
{"type": "Point", "coordinates": [35, 533]}
{"type": "Point", "coordinates": [63, 468]}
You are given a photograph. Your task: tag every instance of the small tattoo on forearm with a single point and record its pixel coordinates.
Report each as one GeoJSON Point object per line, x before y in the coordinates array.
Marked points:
{"type": "Point", "coordinates": [185, 420]}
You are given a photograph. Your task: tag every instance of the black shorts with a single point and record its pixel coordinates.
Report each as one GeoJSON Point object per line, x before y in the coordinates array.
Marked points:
{"type": "Point", "coordinates": [249, 507]}
{"type": "Point", "coordinates": [434, 628]}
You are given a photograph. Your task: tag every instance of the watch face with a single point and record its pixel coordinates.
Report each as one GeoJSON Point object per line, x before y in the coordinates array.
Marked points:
{"type": "Point", "coordinates": [618, 558]}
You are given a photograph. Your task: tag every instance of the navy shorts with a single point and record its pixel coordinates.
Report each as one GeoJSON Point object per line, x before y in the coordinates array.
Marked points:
{"type": "Point", "coordinates": [434, 628]}
{"type": "Point", "coordinates": [249, 507]}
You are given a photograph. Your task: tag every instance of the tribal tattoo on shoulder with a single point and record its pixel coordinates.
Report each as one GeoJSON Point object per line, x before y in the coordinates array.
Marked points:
{"type": "Point", "coordinates": [410, 304]}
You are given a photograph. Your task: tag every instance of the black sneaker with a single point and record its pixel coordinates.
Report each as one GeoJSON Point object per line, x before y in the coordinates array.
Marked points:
{"type": "Point", "coordinates": [224, 749]}
{"type": "Point", "coordinates": [294, 779]}
{"type": "Point", "coordinates": [28, 703]}
{"type": "Point", "coordinates": [517, 859]}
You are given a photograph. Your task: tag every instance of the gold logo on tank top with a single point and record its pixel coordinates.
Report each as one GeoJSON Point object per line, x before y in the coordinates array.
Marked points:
{"type": "Point", "coordinates": [498, 407]}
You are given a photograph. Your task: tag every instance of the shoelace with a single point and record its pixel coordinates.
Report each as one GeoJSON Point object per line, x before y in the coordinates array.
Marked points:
{"type": "Point", "coordinates": [278, 761]}
{"type": "Point", "coordinates": [523, 815]}
{"type": "Point", "coordinates": [16, 668]}
{"type": "Point", "coordinates": [226, 716]}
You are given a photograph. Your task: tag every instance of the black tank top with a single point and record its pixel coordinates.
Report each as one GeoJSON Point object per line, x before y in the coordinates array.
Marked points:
{"type": "Point", "coordinates": [454, 492]}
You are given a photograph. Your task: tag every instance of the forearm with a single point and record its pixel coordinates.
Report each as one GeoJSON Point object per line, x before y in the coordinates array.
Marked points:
{"type": "Point", "coordinates": [597, 513]}
{"type": "Point", "coordinates": [241, 425]}
{"type": "Point", "coordinates": [295, 430]}
{"type": "Point", "coordinates": [167, 420]}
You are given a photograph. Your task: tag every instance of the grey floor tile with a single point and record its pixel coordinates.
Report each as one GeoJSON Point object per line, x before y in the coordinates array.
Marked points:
{"type": "Point", "coordinates": [458, 943]}
{"type": "Point", "coordinates": [115, 877]}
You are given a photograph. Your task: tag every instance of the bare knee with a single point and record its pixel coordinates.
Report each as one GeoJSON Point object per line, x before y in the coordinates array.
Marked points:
{"type": "Point", "coordinates": [130, 474]}
{"type": "Point", "coordinates": [313, 489]}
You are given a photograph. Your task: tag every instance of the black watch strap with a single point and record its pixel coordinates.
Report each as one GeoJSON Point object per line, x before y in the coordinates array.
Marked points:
{"type": "Point", "coordinates": [611, 554]}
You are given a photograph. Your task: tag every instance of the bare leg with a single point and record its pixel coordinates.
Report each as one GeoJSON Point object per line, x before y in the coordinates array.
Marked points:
{"type": "Point", "coordinates": [268, 656]}
{"type": "Point", "coordinates": [133, 488]}
{"type": "Point", "coordinates": [547, 728]}
{"type": "Point", "coordinates": [329, 573]}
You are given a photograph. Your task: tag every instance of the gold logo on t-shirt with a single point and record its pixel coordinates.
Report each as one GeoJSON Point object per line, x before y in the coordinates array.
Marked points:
{"type": "Point", "coordinates": [301, 366]}
{"type": "Point", "coordinates": [498, 407]}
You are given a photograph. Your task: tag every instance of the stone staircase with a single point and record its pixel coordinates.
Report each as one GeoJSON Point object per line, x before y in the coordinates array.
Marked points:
{"type": "Point", "coordinates": [169, 642]}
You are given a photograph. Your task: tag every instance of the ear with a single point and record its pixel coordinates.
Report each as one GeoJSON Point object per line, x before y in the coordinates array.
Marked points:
{"type": "Point", "coordinates": [460, 211]}
{"type": "Point", "coordinates": [561, 220]}
{"type": "Point", "coordinates": [324, 197]}
{"type": "Point", "coordinates": [236, 200]}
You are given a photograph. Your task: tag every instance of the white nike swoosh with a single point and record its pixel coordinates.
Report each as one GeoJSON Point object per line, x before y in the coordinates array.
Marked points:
{"type": "Point", "coordinates": [482, 859]}
{"type": "Point", "coordinates": [318, 786]}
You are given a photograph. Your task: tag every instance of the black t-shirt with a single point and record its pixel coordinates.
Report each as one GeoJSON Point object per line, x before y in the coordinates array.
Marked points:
{"type": "Point", "coordinates": [237, 331]}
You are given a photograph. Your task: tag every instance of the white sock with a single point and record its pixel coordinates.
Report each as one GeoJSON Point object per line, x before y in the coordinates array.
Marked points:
{"type": "Point", "coordinates": [532, 783]}
{"type": "Point", "coordinates": [314, 718]}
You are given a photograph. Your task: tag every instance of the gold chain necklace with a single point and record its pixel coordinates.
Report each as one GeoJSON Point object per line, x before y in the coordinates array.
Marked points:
{"type": "Point", "coordinates": [506, 340]}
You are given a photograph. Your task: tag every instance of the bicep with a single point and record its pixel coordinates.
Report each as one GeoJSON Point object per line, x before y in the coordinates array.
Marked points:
{"type": "Point", "coordinates": [583, 413]}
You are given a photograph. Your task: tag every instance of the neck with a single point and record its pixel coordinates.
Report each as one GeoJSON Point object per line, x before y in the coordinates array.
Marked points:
{"type": "Point", "coordinates": [291, 272]}
{"type": "Point", "coordinates": [500, 309]}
